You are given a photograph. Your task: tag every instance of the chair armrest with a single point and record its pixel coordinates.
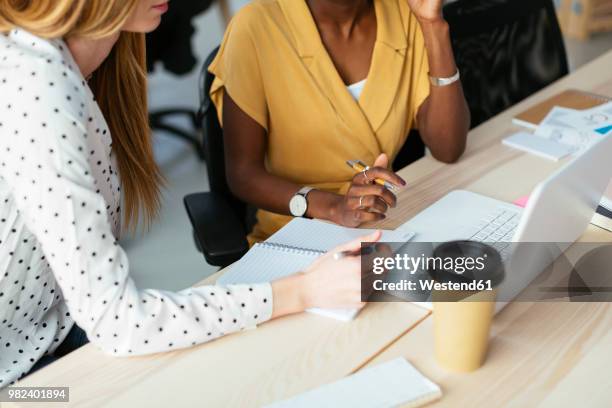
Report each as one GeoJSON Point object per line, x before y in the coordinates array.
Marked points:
{"type": "Point", "coordinates": [218, 231]}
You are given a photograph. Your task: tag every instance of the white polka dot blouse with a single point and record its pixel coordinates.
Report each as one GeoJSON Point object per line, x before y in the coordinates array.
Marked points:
{"type": "Point", "coordinates": [60, 200]}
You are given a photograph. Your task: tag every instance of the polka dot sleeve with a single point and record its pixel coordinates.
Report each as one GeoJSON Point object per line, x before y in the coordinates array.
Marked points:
{"type": "Point", "coordinates": [49, 174]}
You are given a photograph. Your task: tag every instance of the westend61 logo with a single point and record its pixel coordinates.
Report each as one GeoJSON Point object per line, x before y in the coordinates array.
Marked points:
{"type": "Point", "coordinates": [412, 264]}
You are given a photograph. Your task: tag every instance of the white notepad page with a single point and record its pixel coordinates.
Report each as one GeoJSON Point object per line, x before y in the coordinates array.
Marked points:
{"type": "Point", "coordinates": [295, 247]}
{"type": "Point", "coordinates": [392, 384]}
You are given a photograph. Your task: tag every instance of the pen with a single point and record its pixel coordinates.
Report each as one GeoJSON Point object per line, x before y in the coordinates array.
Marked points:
{"type": "Point", "coordinates": [366, 250]}
{"type": "Point", "coordinates": [360, 166]}
{"type": "Point", "coordinates": [345, 254]}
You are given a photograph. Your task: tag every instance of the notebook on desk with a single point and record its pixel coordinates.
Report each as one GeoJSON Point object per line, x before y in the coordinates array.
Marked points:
{"type": "Point", "coordinates": [393, 384]}
{"type": "Point", "coordinates": [294, 248]}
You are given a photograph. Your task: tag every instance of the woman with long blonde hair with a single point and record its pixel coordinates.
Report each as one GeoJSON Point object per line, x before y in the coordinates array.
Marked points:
{"type": "Point", "coordinates": [74, 143]}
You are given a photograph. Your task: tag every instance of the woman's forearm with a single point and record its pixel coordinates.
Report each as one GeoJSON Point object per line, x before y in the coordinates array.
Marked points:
{"type": "Point", "coordinates": [254, 185]}
{"type": "Point", "coordinates": [273, 193]}
{"type": "Point", "coordinates": [444, 117]}
{"type": "Point", "coordinates": [248, 178]}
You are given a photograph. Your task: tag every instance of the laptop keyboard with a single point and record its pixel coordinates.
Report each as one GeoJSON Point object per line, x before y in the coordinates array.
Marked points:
{"type": "Point", "coordinates": [497, 229]}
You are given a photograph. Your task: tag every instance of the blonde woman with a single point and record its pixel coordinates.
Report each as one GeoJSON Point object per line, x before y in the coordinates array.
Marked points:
{"type": "Point", "coordinates": [74, 142]}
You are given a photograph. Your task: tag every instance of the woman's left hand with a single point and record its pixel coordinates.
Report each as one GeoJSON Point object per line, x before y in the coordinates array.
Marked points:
{"type": "Point", "coordinates": [426, 10]}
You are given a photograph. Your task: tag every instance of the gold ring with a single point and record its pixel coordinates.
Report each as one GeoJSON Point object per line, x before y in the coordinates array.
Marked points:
{"type": "Point", "coordinates": [361, 202]}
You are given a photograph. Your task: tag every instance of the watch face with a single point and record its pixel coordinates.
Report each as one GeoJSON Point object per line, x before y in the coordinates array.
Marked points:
{"type": "Point", "coordinates": [298, 205]}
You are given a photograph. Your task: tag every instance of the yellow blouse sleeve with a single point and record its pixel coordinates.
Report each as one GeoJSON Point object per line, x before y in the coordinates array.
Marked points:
{"type": "Point", "coordinates": [237, 70]}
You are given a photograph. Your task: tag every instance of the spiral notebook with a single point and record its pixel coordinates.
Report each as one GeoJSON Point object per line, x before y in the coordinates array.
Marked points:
{"type": "Point", "coordinates": [294, 248]}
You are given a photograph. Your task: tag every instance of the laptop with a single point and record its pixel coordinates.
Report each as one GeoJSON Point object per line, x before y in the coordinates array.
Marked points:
{"type": "Point", "coordinates": [559, 210]}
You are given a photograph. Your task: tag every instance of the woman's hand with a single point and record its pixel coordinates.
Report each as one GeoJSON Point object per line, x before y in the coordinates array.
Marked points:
{"type": "Point", "coordinates": [326, 283]}
{"type": "Point", "coordinates": [366, 201]}
{"type": "Point", "coordinates": [331, 283]}
{"type": "Point", "coordinates": [426, 10]}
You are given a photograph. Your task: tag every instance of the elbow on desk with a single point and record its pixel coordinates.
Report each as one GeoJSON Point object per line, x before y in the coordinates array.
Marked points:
{"type": "Point", "coordinates": [450, 155]}
{"type": "Point", "coordinates": [453, 147]}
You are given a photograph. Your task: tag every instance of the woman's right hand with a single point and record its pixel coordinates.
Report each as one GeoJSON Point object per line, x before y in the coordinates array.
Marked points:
{"type": "Point", "coordinates": [366, 201]}
{"type": "Point", "coordinates": [331, 283]}
{"type": "Point", "coordinates": [326, 283]}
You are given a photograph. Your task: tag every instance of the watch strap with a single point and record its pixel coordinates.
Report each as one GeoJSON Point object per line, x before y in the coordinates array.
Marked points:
{"type": "Point", "coordinates": [304, 191]}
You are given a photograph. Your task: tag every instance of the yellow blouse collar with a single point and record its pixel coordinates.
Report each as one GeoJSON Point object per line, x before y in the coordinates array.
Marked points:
{"type": "Point", "coordinates": [366, 116]}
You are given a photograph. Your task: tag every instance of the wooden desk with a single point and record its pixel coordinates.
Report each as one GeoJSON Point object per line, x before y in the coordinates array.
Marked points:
{"type": "Point", "coordinates": [293, 354]}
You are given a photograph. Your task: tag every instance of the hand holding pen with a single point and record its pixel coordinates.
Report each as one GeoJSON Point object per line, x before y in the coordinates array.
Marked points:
{"type": "Point", "coordinates": [361, 167]}
{"type": "Point", "coordinates": [370, 195]}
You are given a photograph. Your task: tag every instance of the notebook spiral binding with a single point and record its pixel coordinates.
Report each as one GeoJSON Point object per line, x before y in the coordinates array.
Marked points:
{"type": "Point", "coordinates": [291, 249]}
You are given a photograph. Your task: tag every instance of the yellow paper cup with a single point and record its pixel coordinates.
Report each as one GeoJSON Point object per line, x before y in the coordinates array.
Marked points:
{"type": "Point", "coordinates": [462, 318]}
{"type": "Point", "coordinates": [461, 331]}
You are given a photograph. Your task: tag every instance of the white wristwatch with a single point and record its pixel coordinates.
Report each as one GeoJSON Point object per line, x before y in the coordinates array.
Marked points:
{"type": "Point", "coordinates": [435, 81]}
{"type": "Point", "coordinates": [299, 204]}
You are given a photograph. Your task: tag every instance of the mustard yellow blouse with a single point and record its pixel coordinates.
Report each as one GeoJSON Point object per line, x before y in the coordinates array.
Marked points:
{"type": "Point", "coordinates": [275, 67]}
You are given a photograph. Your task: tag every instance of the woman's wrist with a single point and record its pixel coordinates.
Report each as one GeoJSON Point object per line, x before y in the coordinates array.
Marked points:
{"type": "Point", "coordinates": [432, 23]}
{"type": "Point", "coordinates": [324, 205]}
{"type": "Point", "coordinates": [289, 295]}
{"type": "Point", "coordinates": [438, 25]}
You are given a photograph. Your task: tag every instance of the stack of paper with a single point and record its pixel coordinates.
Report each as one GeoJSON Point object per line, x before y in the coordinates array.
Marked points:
{"type": "Point", "coordinates": [577, 129]}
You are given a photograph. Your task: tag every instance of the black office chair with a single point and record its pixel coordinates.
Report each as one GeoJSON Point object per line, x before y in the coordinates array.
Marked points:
{"type": "Point", "coordinates": [412, 150]}
{"type": "Point", "coordinates": [506, 50]}
{"type": "Point", "coordinates": [220, 221]}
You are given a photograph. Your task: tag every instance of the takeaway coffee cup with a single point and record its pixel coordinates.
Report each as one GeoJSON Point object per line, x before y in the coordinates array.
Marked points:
{"type": "Point", "coordinates": [467, 275]}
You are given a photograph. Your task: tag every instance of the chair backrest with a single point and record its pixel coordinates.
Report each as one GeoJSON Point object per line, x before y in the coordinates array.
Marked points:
{"type": "Point", "coordinates": [213, 147]}
{"type": "Point", "coordinates": [506, 50]}
{"type": "Point", "coordinates": [412, 150]}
